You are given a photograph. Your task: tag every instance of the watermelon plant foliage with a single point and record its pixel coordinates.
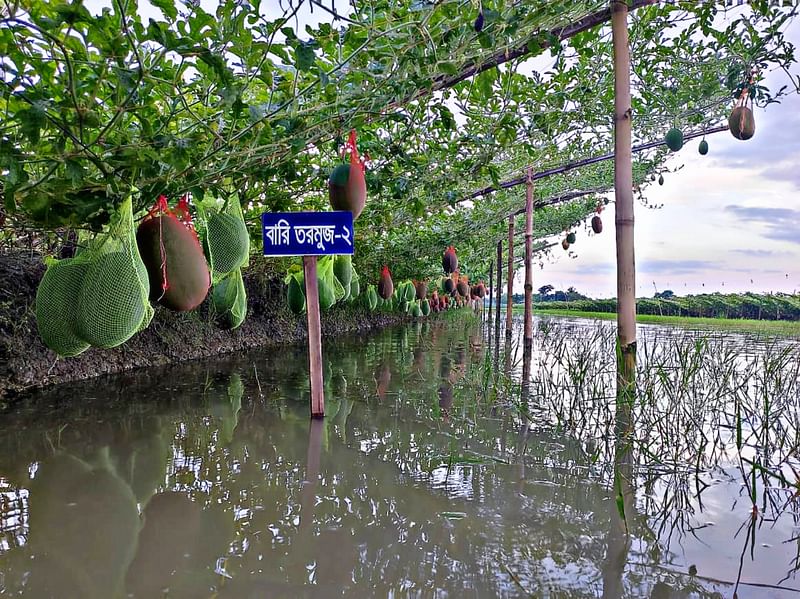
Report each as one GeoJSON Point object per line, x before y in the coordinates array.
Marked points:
{"type": "Point", "coordinates": [97, 102]}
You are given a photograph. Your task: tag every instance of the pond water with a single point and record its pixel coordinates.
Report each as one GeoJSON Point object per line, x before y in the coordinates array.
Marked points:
{"type": "Point", "coordinates": [437, 472]}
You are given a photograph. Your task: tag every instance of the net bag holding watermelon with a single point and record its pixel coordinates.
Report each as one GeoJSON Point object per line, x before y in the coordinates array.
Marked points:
{"type": "Point", "coordinates": [171, 252]}
{"type": "Point", "coordinates": [226, 242]}
{"type": "Point", "coordinates": [99, 297]}
{"type": "Point", "coordinates": [56, 308]}
{"type": "Point", "coordinates": [229, 301]}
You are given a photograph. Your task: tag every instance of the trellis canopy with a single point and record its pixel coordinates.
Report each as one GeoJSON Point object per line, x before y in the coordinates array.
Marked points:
{"type": "Point", "coordinates": [97, 104]}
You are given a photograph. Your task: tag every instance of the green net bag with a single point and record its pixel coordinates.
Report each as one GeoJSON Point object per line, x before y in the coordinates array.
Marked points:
{"type": "Point", "coordinates": [98, 298]}
{"type": "Point", "coordinates": [56, 306]}
{"type": "Point", "coordinates": [227, 242]}
{"type": "Point", "coordinates": [229, 301]}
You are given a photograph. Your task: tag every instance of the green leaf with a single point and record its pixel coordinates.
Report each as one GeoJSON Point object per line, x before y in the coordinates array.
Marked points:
{"type": "Point", "coordinates": [31, 122]}
{"type": "Point", "coordinates": [304, 55]}
{"type": "Point", "coordinates": [75, 171]}
{"type": "Point", "coordinates": [167, 7]}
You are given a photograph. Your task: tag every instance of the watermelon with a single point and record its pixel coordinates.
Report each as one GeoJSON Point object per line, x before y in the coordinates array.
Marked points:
{"type": "Point", "coordinates": [597, 224]}
{"type": "Point", "coordinates": [347, 189]}
{"type": "Point", "coordinates": [703, 149]}
{"type": "Point", "coordinates": [55, 307]}
{"type": "Point", "coordinates": [110, 307]}
{"type": "Point", "coordinates": [421, 288]}
{"type": "Point", "coordinates": [674, 139]}
{"type": "Point", "coordinates": [450, 260]}
{"type": "Point", "coordinates": [741, 123]}
{"type": "Point", "coordinates": [571, 238]}
{"type": "Point", "coordinates": [295, 296]}
{"type": "Point", "coordinates": [343, 269]}
{"type": "Point", "coordinates": [168, 247]}
{"type": "Point", "coordinates": [385, 284]}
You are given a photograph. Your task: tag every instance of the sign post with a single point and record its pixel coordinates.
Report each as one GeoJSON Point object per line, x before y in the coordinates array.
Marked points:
{"type": "Point", "coordinates": [310, 234]}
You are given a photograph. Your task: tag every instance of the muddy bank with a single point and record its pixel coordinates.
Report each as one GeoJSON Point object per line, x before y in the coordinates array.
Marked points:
{"type": "Point", "coordinates": [172, 337]}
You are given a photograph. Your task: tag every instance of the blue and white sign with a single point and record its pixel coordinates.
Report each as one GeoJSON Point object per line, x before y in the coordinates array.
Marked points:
{"type": "Point", "coordinates": [307, 233]}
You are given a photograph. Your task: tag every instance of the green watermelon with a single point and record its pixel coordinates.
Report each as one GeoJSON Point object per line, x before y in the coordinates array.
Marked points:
{"type": "Point", "coordinates": [703, 149]}
{"type": "Point", "coordinates": [343, 269]}
{"type": "Point", "coordinates": [227, 241]}
{"type": "Point", "coordinates": [327, 296]}
{"type": "Point", "coordinates": [571, 238]}
{"type": "Point", "coordinates": [347, 189]}
{"type": "Point", "coordinates": [295, 296]}
{"type": "Point", "coordinates": [55, 307]}
{"type": "Point", "coordinates": [674, 139]}
{"type": "Point", "coordinates": [355, 287]}
{"type": "Point", "coordinates": [425, 307]}
{"type": "Point", "coordinates": [110, 305]}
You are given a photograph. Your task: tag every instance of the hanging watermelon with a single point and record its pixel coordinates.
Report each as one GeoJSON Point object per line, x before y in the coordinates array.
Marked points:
{"type": "Point", "coordinates": [385, 284]}
{"type": "Point", "coordinates": [450, 260]}
{"type": "Point", "coordinates": [571, 238]}
{"type": "Point", "coordinates": [674, 139]}
{"type": "Point", "coordinates": [171, 252]}
{"type": "Point", "coordinates": [597, 224]}
{"type": "Point", "coordinates": [741, 123]}
{"type": "Point", "coordinates": [425, 307]}
{"type": "Point", "coordinates": [463, 286]}
{"type": "Point", "coordinates": [295, 295]}
{"type": "Point", "coordinates": [347, 187]}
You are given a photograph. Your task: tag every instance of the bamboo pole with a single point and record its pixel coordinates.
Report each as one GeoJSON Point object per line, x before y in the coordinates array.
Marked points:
{"type": "Point", "coordinates": [623, 190]}
{"type": "Point", "coordinates": [314, 337]}
{"type": "Point", "coordinates": [499, 286]}
{"type": "Point", "coordinates": [510, 277]}
{"type": "Point", "coordinates": [491, 288]}
{"type": "Point", "coordinates": [528, 260]}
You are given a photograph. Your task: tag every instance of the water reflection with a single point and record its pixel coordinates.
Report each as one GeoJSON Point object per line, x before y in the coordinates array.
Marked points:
{"type": "Point", "coordinates": [438, 470]}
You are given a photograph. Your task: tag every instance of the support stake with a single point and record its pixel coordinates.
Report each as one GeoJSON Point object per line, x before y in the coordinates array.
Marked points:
{"type": "Point", "coordinates": [491, 289]}
{"type": "Point", "coordinates": [623, 218]}
{"type": "Point", "coordinates": [314, 337]}
{"type": "Point", "coordinates": [510, 277]}
{"type": "Point", "coordinates": [499, 286]}
{"type": "Point", "coordinates": [528, 260]}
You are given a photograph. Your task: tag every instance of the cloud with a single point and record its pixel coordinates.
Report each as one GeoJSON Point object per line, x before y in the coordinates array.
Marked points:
{"type": "Point", "coordinates": [783, 172]}
{"type": "Point", "coordinates": [760, 253]}
{"type": "Point", "coordinates": [678, 267]}
{"type": "Point", "coordinates": [782, 224]}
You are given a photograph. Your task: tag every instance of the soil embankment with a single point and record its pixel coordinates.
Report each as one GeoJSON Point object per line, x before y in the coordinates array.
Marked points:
{"type": "Point", "coordinates": [172, 337]}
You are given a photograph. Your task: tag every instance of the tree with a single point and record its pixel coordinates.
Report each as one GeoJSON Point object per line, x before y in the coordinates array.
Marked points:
{"type": "Point", "coordinates": [545, 289]}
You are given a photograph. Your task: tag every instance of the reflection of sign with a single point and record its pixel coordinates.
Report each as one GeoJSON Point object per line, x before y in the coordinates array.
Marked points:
{"type": "Point", "coordinates": [307, 233]}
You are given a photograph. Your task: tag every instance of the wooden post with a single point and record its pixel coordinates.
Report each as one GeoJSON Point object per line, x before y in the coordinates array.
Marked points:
{"type": "Point", "coordinates": [314, 337]}
{"type": "Point", "coordinates": [623, 190]}
{"type": "Point", "coordinates": [528, 260]}
{"type": "Point", "coordinates": [499, 286]}
{"type": "Point", "coordinates": [510, 276]}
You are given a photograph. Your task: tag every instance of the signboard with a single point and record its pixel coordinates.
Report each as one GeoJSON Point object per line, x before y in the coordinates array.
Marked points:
{"type": "Point", "coordinates": [307, 233]}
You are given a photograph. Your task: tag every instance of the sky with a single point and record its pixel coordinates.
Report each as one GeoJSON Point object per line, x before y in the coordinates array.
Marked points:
{"type": "Point", "coordinates": [730, 220]}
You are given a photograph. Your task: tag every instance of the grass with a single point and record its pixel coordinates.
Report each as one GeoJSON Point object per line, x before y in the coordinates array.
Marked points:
{"type": "Point", "coordinates": [771, 327]}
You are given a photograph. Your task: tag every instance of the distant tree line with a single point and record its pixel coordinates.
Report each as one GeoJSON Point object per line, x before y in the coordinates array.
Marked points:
{"type": "Point", "coordinates": [772, 306]}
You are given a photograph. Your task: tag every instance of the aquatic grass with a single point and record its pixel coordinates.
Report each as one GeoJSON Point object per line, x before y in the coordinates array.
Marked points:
{"type": "Point", "coordinates": [705, 404]}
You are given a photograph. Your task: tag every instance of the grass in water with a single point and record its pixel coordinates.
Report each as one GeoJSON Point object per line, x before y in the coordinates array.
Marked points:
{"type": "Point", "coordinates": [772, 327]}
